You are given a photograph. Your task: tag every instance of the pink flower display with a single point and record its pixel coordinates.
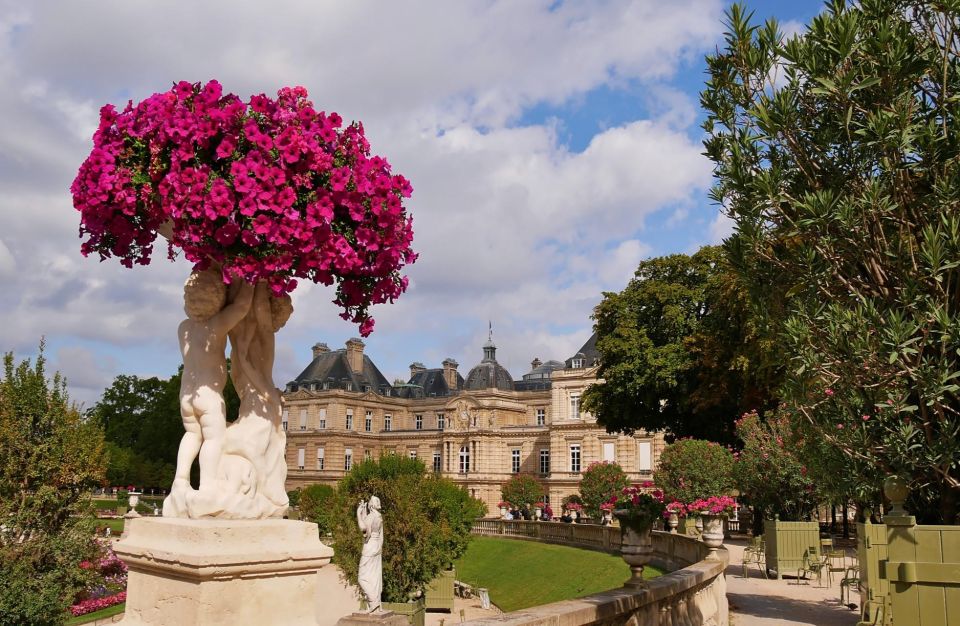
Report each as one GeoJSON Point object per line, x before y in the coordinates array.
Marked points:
{"type": "Point", "coordinates": [714, 505]}
{"type": "Point", "coordinates": [269, 189]}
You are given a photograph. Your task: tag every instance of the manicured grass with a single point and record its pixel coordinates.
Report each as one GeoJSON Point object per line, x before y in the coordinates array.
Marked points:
{"type": "Point", "coordinates": [521, 574]}
{"type": "Point", "coordinates": [116, 609]}
{"type": "Point", "coordinates": [115, 524]}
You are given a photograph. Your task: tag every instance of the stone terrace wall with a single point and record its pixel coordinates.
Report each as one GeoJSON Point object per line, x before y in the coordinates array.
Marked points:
{"type": "Point", "coordinates": [694, 593]}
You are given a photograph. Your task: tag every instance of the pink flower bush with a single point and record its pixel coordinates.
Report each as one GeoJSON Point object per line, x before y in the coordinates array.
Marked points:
{"type": "Point", "coordinates": [638, 504]}
{"type": "Point", "coordinates": [675, 507]}
{"type": "Point", "coordinates": [714, 505]}
{"type": "Point", "coordinates": [95, 604]}
{"type": "Point", "coordinates": [269, 189]}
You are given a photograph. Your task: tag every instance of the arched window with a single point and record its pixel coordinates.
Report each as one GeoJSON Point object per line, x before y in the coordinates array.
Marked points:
{"type": "Point", "coordinates": [464, 459]}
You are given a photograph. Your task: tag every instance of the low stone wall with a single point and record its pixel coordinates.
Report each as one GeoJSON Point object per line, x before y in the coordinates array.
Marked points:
{"type": "Point", "coordinates": [694, 593]}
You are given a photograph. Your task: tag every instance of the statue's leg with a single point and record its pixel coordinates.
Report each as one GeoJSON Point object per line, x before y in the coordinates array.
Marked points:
{"type": "Point", "coordinates": [213, 426]}
{"type": "Point", "coordinates": [190, 445]}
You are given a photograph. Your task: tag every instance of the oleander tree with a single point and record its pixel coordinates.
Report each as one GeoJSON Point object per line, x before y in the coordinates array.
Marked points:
{"type": "Point", "coordinates": [835, 153]}
{"type": "Point", "coordinates": [50, 459]}
{"type": "Point", "coordinates": [266, 189]}
{"type": "Point", "coordinates": [600, 482]}
{"type": "Point", "coordinates": [522, 490]}
{"type": "Point", "coordinates": [694, 469]}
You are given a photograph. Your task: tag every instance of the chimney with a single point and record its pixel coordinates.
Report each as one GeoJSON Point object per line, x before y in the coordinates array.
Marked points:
{"type": "Point", "coordinates": [450, 373]}
{"type": "Point", "coordinates": [355, 355]}
{"type": "Point", "coordinates": [415, 368]}
{"type": "Point", "coordinates": [320, 348]}
{"type": "Point", "coordinates": [535, 363]}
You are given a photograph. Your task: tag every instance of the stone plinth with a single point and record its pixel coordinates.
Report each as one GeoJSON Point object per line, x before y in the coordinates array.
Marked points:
{"type": "Point", "coordinates": [385, 618]}
{"type": "Point", "coordinates": [213, 572]}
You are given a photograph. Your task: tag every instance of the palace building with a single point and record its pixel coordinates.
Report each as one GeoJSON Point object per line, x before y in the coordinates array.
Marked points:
{"type": "Point", "coordinates": [478, 431]}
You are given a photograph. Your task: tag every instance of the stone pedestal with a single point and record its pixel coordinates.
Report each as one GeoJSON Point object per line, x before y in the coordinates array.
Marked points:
{"type": "Point", "coordinates": [386, 618]}
{"type": "Point", "coordinates": [212, 572]}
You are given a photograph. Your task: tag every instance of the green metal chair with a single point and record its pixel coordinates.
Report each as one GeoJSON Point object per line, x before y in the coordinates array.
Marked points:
{"type": "Point", "coordinates": [814, 563]}
{"type": "Point", "coordinates": [850, 581]}
{"type": "Point", "coordinates": [754, 553]}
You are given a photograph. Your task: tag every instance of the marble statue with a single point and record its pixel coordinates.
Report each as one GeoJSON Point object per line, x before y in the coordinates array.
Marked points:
{"type": "Point", "coordinates": [370, 575]}
{"type": "Point", "coordinates": [242, 469]}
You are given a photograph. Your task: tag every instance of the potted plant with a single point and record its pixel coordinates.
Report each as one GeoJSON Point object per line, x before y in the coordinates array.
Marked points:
{"type": "Point", "coordinates": [606, 510]}
{"type": "Point", "coordinates": [573, 510]}
{"type": "Point", "coordinates": [674, 511]}
{"type": "Point", "coordinates": [636, 509]}
{"type": "Point", "coordinates": [504, 508]}
{"type": "Point", "coordinates": [713, 510]}
{"type": "Point", "coordinates": [538, 509]}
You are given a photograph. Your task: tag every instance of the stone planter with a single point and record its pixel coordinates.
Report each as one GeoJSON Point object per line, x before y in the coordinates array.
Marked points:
{"type": "Point", "coordinates": [538, 513]}
{"type": "Point", "coordinates": [672, 522]}
{"type": "Point", "coordinates": [503, 512]}
{"type": "Point", "coordinates": [712, 533]}
{"type": "Point", "coordinates": [636, 545]}
{"type": "Point", "coordinates": [414, 610]}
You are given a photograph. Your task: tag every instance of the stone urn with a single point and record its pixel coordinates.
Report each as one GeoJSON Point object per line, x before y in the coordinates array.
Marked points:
{"type": "Point", "coordinates": [573, 516]}
{"type": "Point", "coordinates": [607, 518]}
{"type": "Point", "coordinates": [538, 513]}
{"type": "Point", "coordinates": [673, 521]}
{"type": "Point", "coordinates": [712, 532]}
{"type": "Point", "coordinates": [636, 544]}
{"type": "Point", "coordinates": [503, 512]}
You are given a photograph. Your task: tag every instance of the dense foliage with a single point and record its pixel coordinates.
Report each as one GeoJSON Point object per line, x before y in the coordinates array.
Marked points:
{"type": "Point", "coordinates": [680, 351]}
{"type": "Point", "coordinates": [426, 522]}
{"type": "Point", "coordinates": [50, 458]}
{"type": "Point", "coordinates": [316, 505]}
{"type": "Point", "coordinates": [837, 155]}
{"type": "Point", "coordinates": [691, 469]}
{"type": "Point", "coordinates": [269, 189]}
{"type": "Point", "coordinates": [522, 490]}
{"type": "Point", "coordinates": [142, 426]}
{"type": "Point", "coordinates": [770, 475]}
{"type": "Point", "coordinates": [599, 483]}
{"type": "Point", "coordinates": [638, 505]}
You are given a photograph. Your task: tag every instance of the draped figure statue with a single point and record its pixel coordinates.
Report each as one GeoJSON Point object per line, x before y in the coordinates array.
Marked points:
{"type": "Point", "coordinates": [370, 576]}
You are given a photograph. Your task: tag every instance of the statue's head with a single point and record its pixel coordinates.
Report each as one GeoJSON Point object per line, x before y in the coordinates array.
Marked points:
{"type": "Point", "coordinates": [374, 503]}
{"type": "Point", "coordinates": [204, 295]}
{"type": "Point", "coordinates": [281, 308]}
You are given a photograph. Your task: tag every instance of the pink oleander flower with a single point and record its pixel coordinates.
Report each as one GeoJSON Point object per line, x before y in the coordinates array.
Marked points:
{"type": "Point", "coordinates": [714, 505]}
{"type": "Point", "coordinates": [269, 189]}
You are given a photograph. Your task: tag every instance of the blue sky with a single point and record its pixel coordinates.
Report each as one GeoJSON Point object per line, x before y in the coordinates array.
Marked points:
{"type": "Point", "coordinates": [551, 146]}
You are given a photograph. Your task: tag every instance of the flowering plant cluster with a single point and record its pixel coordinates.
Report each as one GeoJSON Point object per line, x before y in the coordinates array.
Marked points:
{"type": "Point", "coordinates": [110, 587]}
{"type": "Point", "coordinates": [606, 506]}
{"type": "Point", "coordinates": [714, 505]}
{"type": "Point", "coordinates": [638, 504]}
{"type": "Point", "coordinates": [675, 507]}
{"type": "Point", "coordinates": [503, 504]}
{"type": "Point", "coordinates": [539, 505]}
{"type": "Point", "coordinates": [95, 604]}
{"type": "Point", "coordinates": [269, 189]}
{"type": "Point", "coordinates": [573, 506]}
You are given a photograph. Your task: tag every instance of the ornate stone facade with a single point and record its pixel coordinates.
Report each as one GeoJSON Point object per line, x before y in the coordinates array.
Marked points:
{"type": "Point", "coordinates": [478, 432]}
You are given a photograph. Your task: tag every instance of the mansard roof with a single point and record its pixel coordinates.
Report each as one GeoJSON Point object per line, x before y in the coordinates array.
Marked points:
{"type": "Point", "coordinates": [333, 368]}
{"type": "Point", "coordinates": [588, 352]}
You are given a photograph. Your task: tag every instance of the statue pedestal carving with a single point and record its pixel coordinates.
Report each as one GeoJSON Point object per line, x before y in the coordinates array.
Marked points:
{"type": "Point", "coordinates": [214, 571]}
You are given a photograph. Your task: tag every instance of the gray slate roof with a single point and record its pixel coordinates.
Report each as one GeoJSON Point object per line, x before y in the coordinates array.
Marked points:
{"type": "Point", "coordinates": [588, 352]}
{"type": "Point", "coordinates": [332, 367]}
{"type": "Point", "coordinates": [429, 383]}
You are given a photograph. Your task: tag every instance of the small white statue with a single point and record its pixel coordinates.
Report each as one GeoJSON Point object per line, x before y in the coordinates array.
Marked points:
{"type": "Point", "coordinates": [370, 575]}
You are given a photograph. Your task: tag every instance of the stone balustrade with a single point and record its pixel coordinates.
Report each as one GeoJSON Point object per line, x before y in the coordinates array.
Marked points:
{"type": "Point", "coordinates": [693, 593]}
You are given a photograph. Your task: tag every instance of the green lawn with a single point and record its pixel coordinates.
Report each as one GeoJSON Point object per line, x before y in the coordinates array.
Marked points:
{"type": "Point", "coordinates": [115, 524]}
{"type": "Point", "coordinates": [116, 609]}
{"type": "Point", "coordinates": [521, 574]}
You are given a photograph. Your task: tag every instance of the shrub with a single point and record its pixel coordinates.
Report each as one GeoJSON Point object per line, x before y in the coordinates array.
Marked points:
{"type": "Point", "coordinates": [426, 521]}
{"type": "Point", "coordinates": [316, 503]}
{"type": "Point", "coordinates": [600, 482]}
{"type": "Point", "coordinates": [522, 490]}
{"type": "Point", "coordinates": [691, 469]}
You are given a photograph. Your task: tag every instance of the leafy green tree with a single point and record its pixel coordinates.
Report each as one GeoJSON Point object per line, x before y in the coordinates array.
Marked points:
{"type": "Point", "coordinates": [599, 483]}
{"type": "Point", "coordinates": [50, 457]}
{"type": "Point", "coordinates": [426, 521]}
{"type": "Point", "coordinates": [522, 490]}
{"type": "Point", "coordinates": [679, 351]}
{"type": "Point", "coordinates": [836, 154]}
{"type": "Point", "coordinates": [316, 504]}
{"type": "Point", "coordinates": [691, 469]}
{"type": "Point", "coordinates": [768, 472]}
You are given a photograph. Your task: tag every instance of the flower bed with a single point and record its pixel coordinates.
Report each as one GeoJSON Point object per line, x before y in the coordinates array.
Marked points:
{"type": "Point", "coordinates": [110, 587]}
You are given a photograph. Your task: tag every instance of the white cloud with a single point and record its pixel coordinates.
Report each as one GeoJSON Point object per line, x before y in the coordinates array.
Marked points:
{"type": "Point", "coordinates": [720, 228]}
{"type": "Point", "coordinates": [511, 225]}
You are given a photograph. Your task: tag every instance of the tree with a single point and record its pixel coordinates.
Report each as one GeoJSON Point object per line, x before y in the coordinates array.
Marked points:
{"type": "Point", "coordinates": [691, 469]}
{"type": "Point", "coordinates": [679, 351]}
{"type": "Point", "coordinates": [768, 472]}
{"type": "Point", "coordinates": [836, 154]}
{"type": "Point", "coordinates": [599, 483]}
{"type": "Point", "coordinates": [316, 504]}
{"type": "Point", "coordinates": [50, 457]}
{"type": "Point", "coordinates": [522, 490]}
{"type": "Point", "coordinates": [426, 522]}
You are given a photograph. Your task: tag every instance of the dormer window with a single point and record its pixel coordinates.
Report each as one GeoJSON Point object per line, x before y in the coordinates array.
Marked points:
{"type": "Point", "coordinates": [577, 363]}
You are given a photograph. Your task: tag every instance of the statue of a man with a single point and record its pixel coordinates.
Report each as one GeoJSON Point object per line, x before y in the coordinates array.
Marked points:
{"type": "Point", "coordinates": [370, 575]}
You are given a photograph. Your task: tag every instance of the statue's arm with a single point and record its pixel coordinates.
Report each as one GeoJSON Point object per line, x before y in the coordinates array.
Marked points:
{"type": "Point", "coordinates": [231, 314]}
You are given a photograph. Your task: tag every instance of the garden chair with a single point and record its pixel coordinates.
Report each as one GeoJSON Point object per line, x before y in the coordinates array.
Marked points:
{"type": "Point", "coordinates": [754, 553]}
{"type": "Point", "coordinates": [814, 563]}
{"type": "Point", "coordinates": [850, 581]}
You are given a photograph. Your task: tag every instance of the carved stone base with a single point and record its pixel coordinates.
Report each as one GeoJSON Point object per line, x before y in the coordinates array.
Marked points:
{"type": "Point", "coordinates": [386, 618]}
{"type": "Point", "coordinates": [214, 572]}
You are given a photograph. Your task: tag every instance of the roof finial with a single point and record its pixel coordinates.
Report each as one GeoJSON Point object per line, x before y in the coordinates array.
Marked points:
{"type": "Point", "coordinates": [490, 331]}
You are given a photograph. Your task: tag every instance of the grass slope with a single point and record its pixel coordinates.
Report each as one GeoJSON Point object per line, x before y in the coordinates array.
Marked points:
{"type": "Point", "coordinates": [521, 574]}
{"type": "Point", "coordinates": [89, 617]}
